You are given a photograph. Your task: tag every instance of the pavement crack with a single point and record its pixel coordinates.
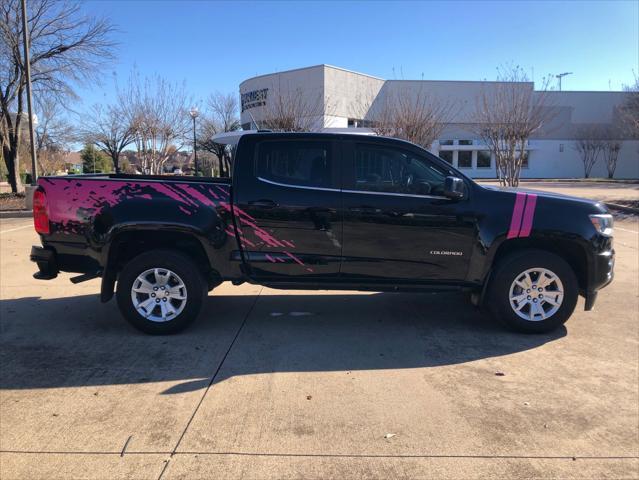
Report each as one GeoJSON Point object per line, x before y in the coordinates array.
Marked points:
{"type": "Point", "coordinates": [217, 371]}
{"type": "Point", "coordinates": [125, 445]}
{"type": "Point", "coordinates": [335, 455]}
{"type": "Point", "coordinates": [166, 464]}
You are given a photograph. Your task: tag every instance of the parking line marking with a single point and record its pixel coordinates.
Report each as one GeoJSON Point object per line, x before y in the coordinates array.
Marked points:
{"type": "Point", "coordinates": [14, 229]}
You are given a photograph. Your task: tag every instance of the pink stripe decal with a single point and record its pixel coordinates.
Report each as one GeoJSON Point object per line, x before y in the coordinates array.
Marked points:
{"type": "Point", "coordinates": [529, 213]}
{"type": "Point", "coordinates": [515, 221]}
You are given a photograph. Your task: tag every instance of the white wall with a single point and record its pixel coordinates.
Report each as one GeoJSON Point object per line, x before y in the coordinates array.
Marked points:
{"type": "Point", "coordinates": [346, 94]}
{"type": "Point", "coordinates": [547, 161]}
{"type": "Point", "coordinates": [310, 81]}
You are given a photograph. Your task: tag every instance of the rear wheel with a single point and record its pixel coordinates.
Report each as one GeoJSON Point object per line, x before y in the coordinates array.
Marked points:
{"type": "Point", "coordinates": [160, 292]}
{"type": "Point", "coordinates": [533, 291]}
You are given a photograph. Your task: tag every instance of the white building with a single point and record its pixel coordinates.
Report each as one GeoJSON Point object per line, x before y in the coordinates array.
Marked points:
{"type": "Point", "coordinates": [346, 99]}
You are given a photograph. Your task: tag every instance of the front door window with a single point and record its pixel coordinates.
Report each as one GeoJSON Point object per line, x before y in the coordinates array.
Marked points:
{"type": "Point", "coordinates": [382, 169]}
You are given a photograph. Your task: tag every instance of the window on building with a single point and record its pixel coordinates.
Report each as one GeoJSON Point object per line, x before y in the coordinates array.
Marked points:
{"type": "Point", "coordinates": [360, 123]}
{"type": "Point", "coordinates": [524, 162]}
{"type": "Point", "coordinates": [446, 155]}
{"type": "Point", "coordinates": [379, 169]}
{"type": "Point", "coordinates": [483, 159]}
{"type": "Point", "coordinates": [465, 142]}
{"type": "Point", "coordinates": [295, 163]}
{"type": "Point", "coordinates": [465, 159]}
{"type": "Point", "coordinates": [445, 142]}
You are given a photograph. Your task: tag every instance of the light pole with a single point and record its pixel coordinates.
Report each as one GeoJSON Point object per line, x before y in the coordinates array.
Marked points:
{"type": "Point", "coordinates": [194, 113]}
{"type": "Point", "coordinates": [27, 68]}
{"type": "Point", "coordinates": [560, 76]}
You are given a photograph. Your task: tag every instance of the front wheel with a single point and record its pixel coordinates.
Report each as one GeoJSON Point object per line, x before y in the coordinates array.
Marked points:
{"type": "Point", "coordinates": [160, 292]}
{"type": "Point", "coordinates": [533, 291]}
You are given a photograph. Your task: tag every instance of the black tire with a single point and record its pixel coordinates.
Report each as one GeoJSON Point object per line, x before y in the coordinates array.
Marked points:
{"type": "Point", "coordinates": [509, 268]}
{"type": "Point", "coordinates": [188, 273]}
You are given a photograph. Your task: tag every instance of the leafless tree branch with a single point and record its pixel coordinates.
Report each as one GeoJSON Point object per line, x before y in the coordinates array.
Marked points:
{"type": "Point", "coordinates": [157, 112]}
{"type": "Point", "coordinates": [67, 48]}
{"type": "Point", "coordinates": [507, 113]}
{"type": "Point", "coordinates": [222, 115]}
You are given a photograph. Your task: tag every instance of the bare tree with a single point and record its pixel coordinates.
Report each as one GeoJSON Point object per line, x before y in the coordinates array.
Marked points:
{"type": "Point", "coordinates": [611, 154]}
{"type": "Point", "coordinates": [157, 111]}
{"type": "Point", "coordinates": [419, 118]}
{"type": "Point", "coordinates": [507, 114]}
{"type": "Point", "coordinates": [222, 116]}
{"type": "Point", "coordinates": [109, 129]}
{"type": "Point", "coordinates": [53, 136]}
{"type": "Point", "coordinates": [611, 146]}
{"type": "Point", "coordinates": [590, 144]}
{"type": "Point", "coordinates": [630, 109]}
{"type": "Point", "coordinates": [288, 110]}
{"type": "Point", "coordinates": [66, 48]}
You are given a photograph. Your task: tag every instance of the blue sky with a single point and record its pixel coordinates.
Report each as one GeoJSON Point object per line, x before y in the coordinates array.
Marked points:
{"type": "Point", "coordinates": [213, 46]}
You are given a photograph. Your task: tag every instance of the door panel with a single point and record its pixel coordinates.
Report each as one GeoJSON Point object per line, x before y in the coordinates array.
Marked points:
{"type": "Point", "coordinates": [283, 231]}
{"type": "Point", "coordinates": [397, 225]}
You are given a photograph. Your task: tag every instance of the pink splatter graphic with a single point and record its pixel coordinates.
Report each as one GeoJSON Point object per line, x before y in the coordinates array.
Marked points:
{"type": "Point", "coordinates": [72, 202]}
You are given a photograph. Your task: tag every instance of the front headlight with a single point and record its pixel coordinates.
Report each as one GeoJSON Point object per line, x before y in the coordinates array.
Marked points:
{"type": "Point", "coordinates": [602, 223]}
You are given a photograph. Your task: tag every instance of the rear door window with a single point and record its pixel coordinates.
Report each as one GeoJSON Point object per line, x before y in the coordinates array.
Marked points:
{"type": "Point", "coordinates": [306, 164]}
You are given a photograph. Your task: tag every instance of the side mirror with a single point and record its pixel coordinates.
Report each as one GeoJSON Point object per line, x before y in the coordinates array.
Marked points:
{"type": "Point", "coordinates": [454, 188]}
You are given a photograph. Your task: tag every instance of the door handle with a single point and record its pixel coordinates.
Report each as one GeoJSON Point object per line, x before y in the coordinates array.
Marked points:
{"type": "Point", "coordinates": [263, 203]}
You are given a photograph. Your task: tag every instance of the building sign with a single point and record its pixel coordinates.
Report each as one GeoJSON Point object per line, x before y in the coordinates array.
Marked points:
{"type": "Point", "coordinates": [256, 98]}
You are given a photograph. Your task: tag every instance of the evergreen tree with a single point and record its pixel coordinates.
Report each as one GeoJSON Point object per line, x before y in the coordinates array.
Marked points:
{"type": "Point", "coordinates": [94, 161]}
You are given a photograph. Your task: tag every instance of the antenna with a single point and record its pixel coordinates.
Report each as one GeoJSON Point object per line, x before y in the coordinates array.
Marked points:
{"type": "Point", "coordinates": [560, 76]}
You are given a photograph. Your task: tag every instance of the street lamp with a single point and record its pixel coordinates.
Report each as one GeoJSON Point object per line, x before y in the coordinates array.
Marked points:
{"type": "Point", "coordinates": [194, 113]}
{"type": "Point", "coordinates": [560, 76]}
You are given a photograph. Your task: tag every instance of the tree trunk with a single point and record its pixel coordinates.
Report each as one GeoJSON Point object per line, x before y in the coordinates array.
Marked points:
{"type": "Point", "coordinates": [11, 160]}
{"type": "Point", "coordinates": [115, 158]}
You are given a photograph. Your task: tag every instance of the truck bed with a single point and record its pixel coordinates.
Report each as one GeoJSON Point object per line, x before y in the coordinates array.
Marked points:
{"type": "Point", "coordinates": [75, 202]}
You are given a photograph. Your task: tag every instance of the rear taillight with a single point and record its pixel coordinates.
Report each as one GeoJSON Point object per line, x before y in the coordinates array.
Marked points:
{"type": "Point", "coordinates": [40, 215]}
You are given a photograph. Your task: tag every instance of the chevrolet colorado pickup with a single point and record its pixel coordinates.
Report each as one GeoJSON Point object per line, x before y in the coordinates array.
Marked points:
{"type": "Point", "coordinates": [323, 211]}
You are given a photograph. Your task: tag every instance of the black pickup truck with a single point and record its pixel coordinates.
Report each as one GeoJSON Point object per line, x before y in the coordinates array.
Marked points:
{"type": "Point", "coordinates": [323, 211]}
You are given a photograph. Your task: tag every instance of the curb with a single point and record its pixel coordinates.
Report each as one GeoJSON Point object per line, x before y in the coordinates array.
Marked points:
{"type": "Point", "coordinates": [16, 213]}
{"type": "Point", "coordinates": [623, 208]}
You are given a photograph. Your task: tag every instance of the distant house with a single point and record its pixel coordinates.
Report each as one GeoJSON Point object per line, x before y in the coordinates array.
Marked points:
{"type": "Point", "coordinates": [73, 162]}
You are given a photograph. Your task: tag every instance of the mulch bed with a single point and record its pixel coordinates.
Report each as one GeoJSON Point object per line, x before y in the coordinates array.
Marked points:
{"type": "Point", "coordinates": [12, 201]}
{"type": "Point", "coordinates": [626, 203]}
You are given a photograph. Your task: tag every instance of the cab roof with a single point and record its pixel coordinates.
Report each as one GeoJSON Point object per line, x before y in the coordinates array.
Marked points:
{"type": "Point", "coordinates": [233, 138]}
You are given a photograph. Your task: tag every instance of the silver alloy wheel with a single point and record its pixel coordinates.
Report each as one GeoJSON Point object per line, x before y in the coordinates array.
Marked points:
{"type": "Point", "coordinates": [159, 295]}
{"type": "Point", "coordinates": [536, 294]}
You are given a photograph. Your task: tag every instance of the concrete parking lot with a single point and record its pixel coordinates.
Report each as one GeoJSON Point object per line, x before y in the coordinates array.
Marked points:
{"type": "Point", "coordinates": [273, 384]}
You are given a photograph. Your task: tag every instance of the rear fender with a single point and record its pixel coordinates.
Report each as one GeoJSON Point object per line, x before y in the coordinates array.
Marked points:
{"type": "Point", "coordinates": [210, 251]}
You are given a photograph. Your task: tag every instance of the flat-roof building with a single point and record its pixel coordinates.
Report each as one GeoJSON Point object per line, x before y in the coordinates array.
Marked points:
{"type": "Point", "coordinates": [342, 99]}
